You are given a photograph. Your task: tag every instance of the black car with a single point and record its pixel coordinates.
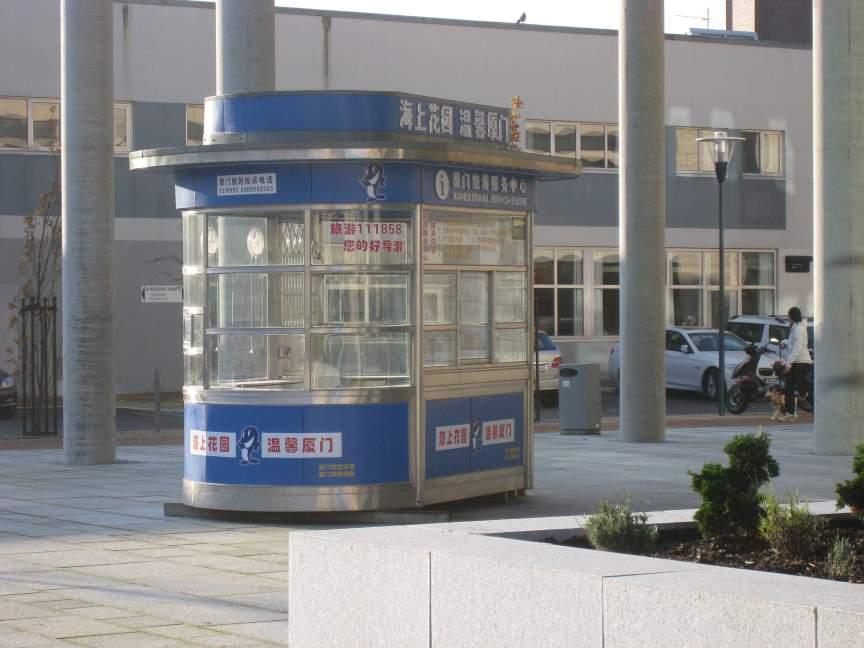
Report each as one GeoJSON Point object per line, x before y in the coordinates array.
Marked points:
{"type": "Point", "coordinates": [8, 395]}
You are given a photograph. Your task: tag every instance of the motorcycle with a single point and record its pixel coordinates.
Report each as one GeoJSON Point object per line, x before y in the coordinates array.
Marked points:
{"type": "Point", "coordinates": [750, 386]}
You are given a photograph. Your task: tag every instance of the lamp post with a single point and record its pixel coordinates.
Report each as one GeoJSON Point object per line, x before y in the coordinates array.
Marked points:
{"type": "Point", "coordinates": [721, 147]}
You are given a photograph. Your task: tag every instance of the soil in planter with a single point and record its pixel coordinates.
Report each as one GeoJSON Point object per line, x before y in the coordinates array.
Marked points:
{"type": "Point", "coordinates": [754, 553]}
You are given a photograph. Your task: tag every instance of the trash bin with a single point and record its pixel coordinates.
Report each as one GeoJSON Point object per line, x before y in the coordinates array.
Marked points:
{"type": "Point", "coordinates": [579, 398]}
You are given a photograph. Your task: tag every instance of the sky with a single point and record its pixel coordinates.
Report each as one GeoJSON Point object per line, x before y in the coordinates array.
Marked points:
{"type": "Point", "coordinates": [603, 14]}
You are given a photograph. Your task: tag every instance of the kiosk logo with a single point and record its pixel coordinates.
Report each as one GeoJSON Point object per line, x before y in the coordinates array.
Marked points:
{"type": "Point", "coordinates": [476, 437]}
{"type": "Point", "coordinates": [442, 184]}
{"type": "Point", "coordinates": [250, 444]}
{"type": "Point", "coordinates": [373, 179]}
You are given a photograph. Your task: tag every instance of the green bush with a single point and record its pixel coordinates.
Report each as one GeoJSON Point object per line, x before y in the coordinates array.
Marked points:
{"type": "Point", "coordinates": [791, 528]}
{"type": "Point", "coordinates": [840, 560]}
{"type": "Point", "coordinates": [615, 527]}
{"type": "Point", "coordinates": [730, 494]}
{"type": "Point", "coordinates": [851, 492]}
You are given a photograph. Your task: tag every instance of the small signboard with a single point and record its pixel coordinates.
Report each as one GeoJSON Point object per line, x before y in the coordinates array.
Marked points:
{"type": "Point", "coordinates": [162, 294]}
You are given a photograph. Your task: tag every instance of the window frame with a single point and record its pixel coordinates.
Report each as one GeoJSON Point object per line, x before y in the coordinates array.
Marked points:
{"type": "Point", "coordinates": [190, 141]}
{"type": "Point", "coordinates": [32, 148]}
{"type": "Point", "coordinates": [734, 291]}
{"type": "Point", "coordinates": [706, 170]}
{"type": "Point", "coordinates": [26, 147]}
{"type": "Point", "coordinates": [553, 124]}
{"type": "Point", "coordinates": [555, 286]}
{"type": "Point", "coordinates": [492, 325]}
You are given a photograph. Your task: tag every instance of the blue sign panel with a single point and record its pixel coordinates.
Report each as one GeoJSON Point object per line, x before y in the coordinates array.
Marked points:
{"type": "Point", "coordinates": [471, 187]}
{"type": "Point", "coordinates": [473, 434]}
{"type": "Point", "coordinates": [370, 112]}
{"type": "Point", "coordinates": [311, 445]}
{"type": "Point", "coordinates": [352, 183]}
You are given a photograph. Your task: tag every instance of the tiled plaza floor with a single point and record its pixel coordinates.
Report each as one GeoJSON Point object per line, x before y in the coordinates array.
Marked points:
{"type": "Point", "coordinates": [88, 559]}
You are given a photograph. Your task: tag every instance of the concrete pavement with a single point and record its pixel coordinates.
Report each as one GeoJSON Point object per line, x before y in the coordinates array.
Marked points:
{"type": "Point", "coordinates": [88, 559]}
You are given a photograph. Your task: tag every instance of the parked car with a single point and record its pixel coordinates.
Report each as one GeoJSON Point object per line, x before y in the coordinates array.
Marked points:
{"type": "Point", "coordinates": [549, 362]}
{"type": "Point", "coordinates": [760, 329]}
{"type": "Point", "coordinates": [8, 395]}
{"type": "Point", "coordinates": [692, 359]}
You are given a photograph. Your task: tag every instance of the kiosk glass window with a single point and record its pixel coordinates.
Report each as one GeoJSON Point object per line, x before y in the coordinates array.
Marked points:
{"type": "Point", "coordinates": [346, 360]}
{"type": "Point", "coordinates": [256, 361]}
{"type": "Point", "coordinates": [474, 343]}
{"type": "Point", "coordinates": [256, 300]}
{"type": "Point", "coordinates": [439, 310]}
{"type": "Point", "coordinates": [362, 237]}
{"type": "Point", "coordinates": [464, 238]}
{"type": "Point", "coordinates": [193, 299]}
{"type": "Point", "coordinates": [354, 298]}
{"type": "Point", "coordinates": [255, 240]}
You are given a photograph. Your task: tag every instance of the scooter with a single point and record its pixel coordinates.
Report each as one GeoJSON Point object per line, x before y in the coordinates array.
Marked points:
{"type": "Point", "coordinates": [749, 385]}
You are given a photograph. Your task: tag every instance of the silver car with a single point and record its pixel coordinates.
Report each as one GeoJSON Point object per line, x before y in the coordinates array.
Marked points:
{"type": "Point", "coordinates": [549, 362]}
{"type": "Point", "coordinates": [692, 359]}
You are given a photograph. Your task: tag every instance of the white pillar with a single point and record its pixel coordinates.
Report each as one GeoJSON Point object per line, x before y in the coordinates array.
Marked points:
{"type": "Point", "coordinates": [245, 46]}
{"type": "Point", "coordinates": [838, 222]}
{"type": "Point", "coordinates": [87, 134]}
{"type": "Point", "coordinates": [642, 226]}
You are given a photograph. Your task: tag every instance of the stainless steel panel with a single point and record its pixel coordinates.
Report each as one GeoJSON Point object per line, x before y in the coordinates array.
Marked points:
{"type": "Point", "coordinates": [231, 497]}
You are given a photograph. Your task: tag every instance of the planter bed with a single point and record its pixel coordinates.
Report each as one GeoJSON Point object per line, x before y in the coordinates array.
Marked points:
{"type": "Point", "coordinates": [684, 543]}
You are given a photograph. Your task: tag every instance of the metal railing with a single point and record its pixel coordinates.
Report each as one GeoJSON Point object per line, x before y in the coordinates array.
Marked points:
{"type": "Point", "coordinates": [39, 367]}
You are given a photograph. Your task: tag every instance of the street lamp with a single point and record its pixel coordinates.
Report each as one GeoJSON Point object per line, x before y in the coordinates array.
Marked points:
{"type": "Point", "coordinates": [721, 147]}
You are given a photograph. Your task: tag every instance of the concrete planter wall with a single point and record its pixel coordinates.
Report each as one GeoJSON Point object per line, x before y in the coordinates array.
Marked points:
{"type": "Point", "coordinates": [453, 585]}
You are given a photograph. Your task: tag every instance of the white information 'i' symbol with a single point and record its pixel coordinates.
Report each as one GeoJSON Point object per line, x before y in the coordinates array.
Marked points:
{"type": "Point", "coordinates": [442, 184]}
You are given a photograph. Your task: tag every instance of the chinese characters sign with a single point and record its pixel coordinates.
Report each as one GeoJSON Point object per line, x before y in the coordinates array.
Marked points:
{"type": "Point", "coordinates": [385, 238]}
{"type": "Point", "coordinates": [364, 241]}
{"type": "Point", "coordinates": [502, 431]}
{"type": "Point", "coordinates": [451, 437]}
{"type": "Point", "coordinates": [212, 444]}
{"type": "Point", "coordinates": [484, 241]}
{"type": "Point", "coordinates": [475, 187]}
{"type": "Point", "coordinates": [301, 446]}
{"type": "Point", "coordinates": [438, 118]}
{"type": "Point", "coordinates": [246, 184]}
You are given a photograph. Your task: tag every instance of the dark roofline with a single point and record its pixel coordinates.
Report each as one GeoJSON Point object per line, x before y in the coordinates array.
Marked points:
{"type": "Point", "coordinates": [453, 22]}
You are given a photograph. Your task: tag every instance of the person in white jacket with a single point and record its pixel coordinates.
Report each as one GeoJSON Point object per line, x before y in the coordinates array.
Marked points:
{"type": "Point", "coordinates": [799, 359]}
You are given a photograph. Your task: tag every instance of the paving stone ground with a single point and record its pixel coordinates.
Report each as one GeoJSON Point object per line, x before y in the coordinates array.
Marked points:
{"type": "Point", "coordinates": [87, 557]}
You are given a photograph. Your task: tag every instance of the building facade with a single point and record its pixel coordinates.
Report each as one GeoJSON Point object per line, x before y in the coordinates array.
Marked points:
{"type": "Point", "coordinates": [165, 65]}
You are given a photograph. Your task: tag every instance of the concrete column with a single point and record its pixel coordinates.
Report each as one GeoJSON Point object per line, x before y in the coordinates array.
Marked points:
{"type": "Point", "coordinates": [642, 227]}
{"type": "Point", "coordinates": [838, 232]}
{"type": "Point", "coordinates": [245, 46]}
{"type": "Point", "coordinates": [87, 141]}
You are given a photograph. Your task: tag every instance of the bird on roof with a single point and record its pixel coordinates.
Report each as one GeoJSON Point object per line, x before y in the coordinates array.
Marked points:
{"type": "Point", "coordinates": [522, 19]}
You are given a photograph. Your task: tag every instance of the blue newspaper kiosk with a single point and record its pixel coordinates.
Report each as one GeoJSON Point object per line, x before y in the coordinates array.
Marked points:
{"type": "Point", "coordinates": [357, 329]}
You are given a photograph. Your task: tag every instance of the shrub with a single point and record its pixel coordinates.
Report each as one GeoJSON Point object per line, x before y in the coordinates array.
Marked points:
{"type": "Point", "coordinates": [851, 492]}
{"type": "Point", "coordinates": [840, 559]}
{"type": "Point", "coordinates": [730, 494]}
{"type": "Point", "coordinates": [615, 527]}
{"type": "Point", "coordinates": [791, 528]}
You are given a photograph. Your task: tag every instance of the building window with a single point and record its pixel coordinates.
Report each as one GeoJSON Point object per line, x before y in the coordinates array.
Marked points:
{"type": "Point", "coordinates": [594, 144]}
{"type": "Point", "coordinates": [559, 291]}
{"type": "Point", "coordinates": [690, 156]}
{"type": "Point", "coordinates": [761, 152]}
{"type": "Point", "coordinates": [606, 289]}
{"type": "Point", "coordinates": [121, 127]}
{"type": "Point", "coordinates": [693, 290]}
{"type": "Point", "coordinates": [45, 124]}
{"type": "Point", "coordinates": [194, 124]}
{"type": "Point", "coordinates": [13, 123]}
{"type": "Point", "coordinates": [34, 124]}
